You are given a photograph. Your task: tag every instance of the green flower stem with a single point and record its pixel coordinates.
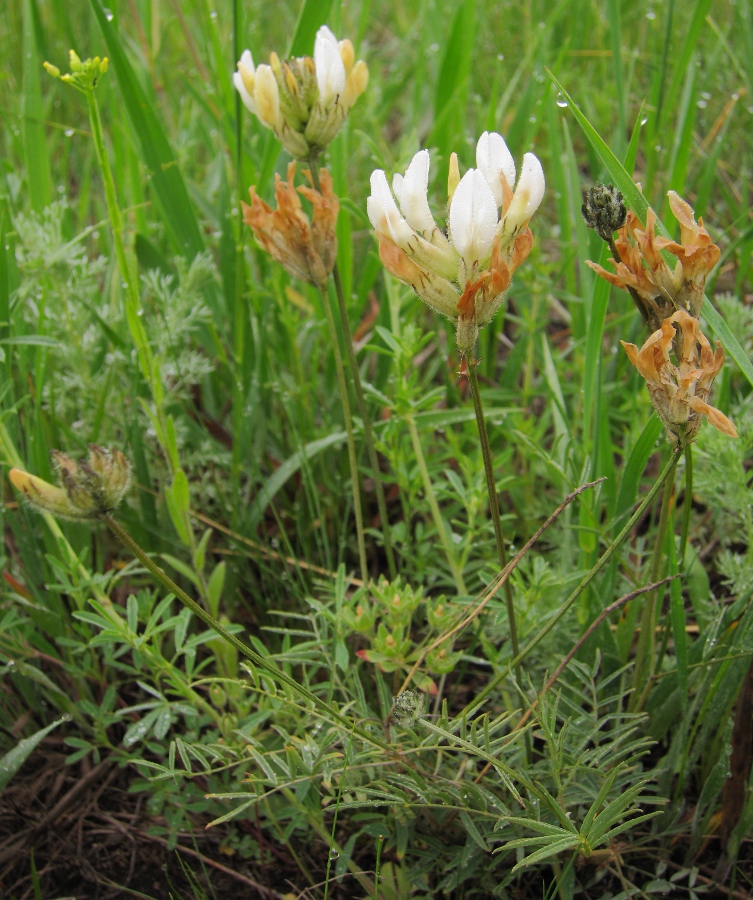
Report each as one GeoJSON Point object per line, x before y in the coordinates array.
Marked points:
{"type": "Point", "coordinates": [164, 579]}
{"type": "Point", "coordinates": [491, 487]}
{"type": "Point", "coordinates": [645, 657]}
{"type": "Point", "coordinates": [363, 410]}
{"type": "Point", "coordinates": [687, 504]}
{"type": "Point", "coordinates": [584, 583]}
{"type": "Point", "coordinates": [116, 220]}
{"type": "Point", "coordinates": [239, 320]}
{"type": "Point", "coordinates": [439, 523]}
{"type": "Point", "coordinates": [352, 458]}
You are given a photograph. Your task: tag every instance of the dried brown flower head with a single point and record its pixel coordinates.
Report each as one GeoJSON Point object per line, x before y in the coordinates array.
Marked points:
{"type": "Point", "coordinates": [658, 288]}
{"type": "Point", "coordinates": [87, 490]}
{"type": "Point", "coordinates": [680, 392]}
{"type": "Point", "coordinates": [306, 248]}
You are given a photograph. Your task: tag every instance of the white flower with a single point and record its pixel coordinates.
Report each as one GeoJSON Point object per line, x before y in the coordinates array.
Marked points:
{"type": "Point", "coordinates": [303, 100]}
{"type": "Point", "coordinates": [465, 273]}
{"type": "Point", "coordinates": [330, 69]}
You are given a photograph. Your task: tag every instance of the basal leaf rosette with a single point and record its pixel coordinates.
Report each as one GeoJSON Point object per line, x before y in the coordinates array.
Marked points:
{"type": "Point", "coordinates": [462, 272]}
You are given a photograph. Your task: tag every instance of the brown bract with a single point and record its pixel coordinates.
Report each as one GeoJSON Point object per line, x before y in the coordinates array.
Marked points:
{"type": "Point", "coordinates": [680, 392]}
{"type": "Point", "coordinates": [661, 289]}
{"type": "Point", "coordinates": [305, 248]}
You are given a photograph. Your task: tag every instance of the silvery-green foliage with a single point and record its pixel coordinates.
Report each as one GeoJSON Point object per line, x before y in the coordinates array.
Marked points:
{"type": "Point", "coordinates": [61, 296]}
{"type": "Point", "coordinates": [722, 483]}
{"type": "Point", "coordinates": [175, 312]}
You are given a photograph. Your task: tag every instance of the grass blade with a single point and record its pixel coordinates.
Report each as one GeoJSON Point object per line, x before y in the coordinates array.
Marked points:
{"type": "Point", "coordinates": [166, 180]}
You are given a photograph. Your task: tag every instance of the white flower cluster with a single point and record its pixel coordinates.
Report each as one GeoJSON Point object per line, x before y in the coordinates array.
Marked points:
{"type": "Point", "coordinates": [304, 100]}
{"type": "Point", "coordinates": [465, 272]}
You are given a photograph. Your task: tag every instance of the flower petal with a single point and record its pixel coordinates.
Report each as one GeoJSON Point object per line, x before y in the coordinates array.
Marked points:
{"type": "Point", "coordinates": [494, 159]}
{"type": "Point", "coordinates": [412, 196]}
{"type": "Point", "coordinates": [330, 70]}
{"type": "Point", "coordinates": [473, 217]}
{"type": "Point", "coordinates": [528, 195]}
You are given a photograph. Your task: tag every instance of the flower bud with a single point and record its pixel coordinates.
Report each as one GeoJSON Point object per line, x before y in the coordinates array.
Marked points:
{"type": "Point", "coordinates": [604, 210]}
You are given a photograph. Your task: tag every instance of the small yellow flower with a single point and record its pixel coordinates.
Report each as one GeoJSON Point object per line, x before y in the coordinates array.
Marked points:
{"type": "Point", "coordinates": [87, 490]}
{"type": "Point", "coordinates": [307, 249]}
{"type": "Point", "coordinates": [661, 288]}
{"type": "Point", "coordinates": [83, 75]}
{"type": "Point", "coordinates": [680, 392]}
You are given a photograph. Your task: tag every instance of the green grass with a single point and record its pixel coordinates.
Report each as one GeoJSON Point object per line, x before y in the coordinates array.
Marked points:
{"type": "Point", "coordinates": [216, 377]}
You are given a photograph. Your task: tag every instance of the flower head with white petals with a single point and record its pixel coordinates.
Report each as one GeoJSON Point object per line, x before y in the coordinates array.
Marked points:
{"type": "Point", "coordinates": [465, 272]}
{"type": "Point", "coordinates": [304, 100]}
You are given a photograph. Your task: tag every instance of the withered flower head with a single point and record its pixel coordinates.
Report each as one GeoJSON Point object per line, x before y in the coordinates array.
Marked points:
{"type": "Point", "coordinates": [306, 248]}
{"type": "Point", "coordinates": [680, 392]}
{"type": "Point", "coordinates": [87, 490]}
{"type": "Point", "coordinates": [661, 289]}
{"type": "Point", "coordinates": [304, 100]}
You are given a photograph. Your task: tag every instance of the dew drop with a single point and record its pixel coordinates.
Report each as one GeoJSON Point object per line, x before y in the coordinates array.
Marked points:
{"type": "Point", "coordinates": [561, 102]}
{"type": "Point", "coordinates": [532, 119]}
{"type": "Point", "coordinates": [213, 14]}
{"type": "Point", "coordinates": [109, 14]}
{"type": "Point", "coordinates": [701, 104]}
{"type": "Point", "coordinates": [500, 57]}
{"type": "Point", "coordinates": [644, 120]}
{"type": "Point", "coordinates": [69, 132]}
{"type": "Point", "coordinates": [333, 854]}
{"type": "Point", "coordinates": [651, 15]}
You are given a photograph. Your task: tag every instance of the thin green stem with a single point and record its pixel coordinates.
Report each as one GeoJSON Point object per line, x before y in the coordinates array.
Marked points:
{"type": "Point", "coordinates": [687, 506]}
{"type": "Point", "coordinates": [439, 523]}
{"type": "Point", "coordinates": [584, 583]}
{"type": "Point", "coordinates": [363, 410]}
{"type": "Point", "coordinates": [352, 457]}
{"type": "Point", "coordinates": [491, 487]}
{"type": "Point", "coordinates": [645, 657]}
{"type": "Point", "coordinates": [164, 579]}
{"type": "Point", "coordinates": [239, 319]}
{"type": "Point", "coordinates": [113, 209]}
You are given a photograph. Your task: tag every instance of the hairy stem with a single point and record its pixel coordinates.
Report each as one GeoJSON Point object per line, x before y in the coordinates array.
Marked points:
{"type": "Point", "coordinates": [439, 523]}
{"type": "Point", "coordinates": [491, 487]}
{"type": "Point", "coordinates": [352, 458]}
{"type": "Point", "coordinates": [645, 658]}
{"type": "Point", "coordinates": [363, 410]}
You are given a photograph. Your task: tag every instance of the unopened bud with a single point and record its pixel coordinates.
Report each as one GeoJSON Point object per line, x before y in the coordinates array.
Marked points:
{"type": "Point", "coordinates": [604, 210]}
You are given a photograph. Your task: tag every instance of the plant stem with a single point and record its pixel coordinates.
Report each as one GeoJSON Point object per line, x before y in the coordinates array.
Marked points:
{"type": "Point", "coordinates": [239, 319]}
{"type": "Point", "coordinates": [352, 458]}
{"type": "Point", "coordinates": [687, 505]}
{"type": "Point", "coordinates": [645, 658]}
{"type": "Point", "coordinates": [584, 583]}
{"type": "Point", "coordinates": [439, 523]}
{"type": "Point", "coordinates": [491, 487]}
{"type": "Point", "coordinates": [164, 579]}
{"type": "Point", "coordinates": [363, 410]}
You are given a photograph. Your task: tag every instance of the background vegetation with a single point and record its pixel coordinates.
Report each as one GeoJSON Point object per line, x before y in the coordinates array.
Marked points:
{"type": "Point", "coordinates": [241, 478]}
